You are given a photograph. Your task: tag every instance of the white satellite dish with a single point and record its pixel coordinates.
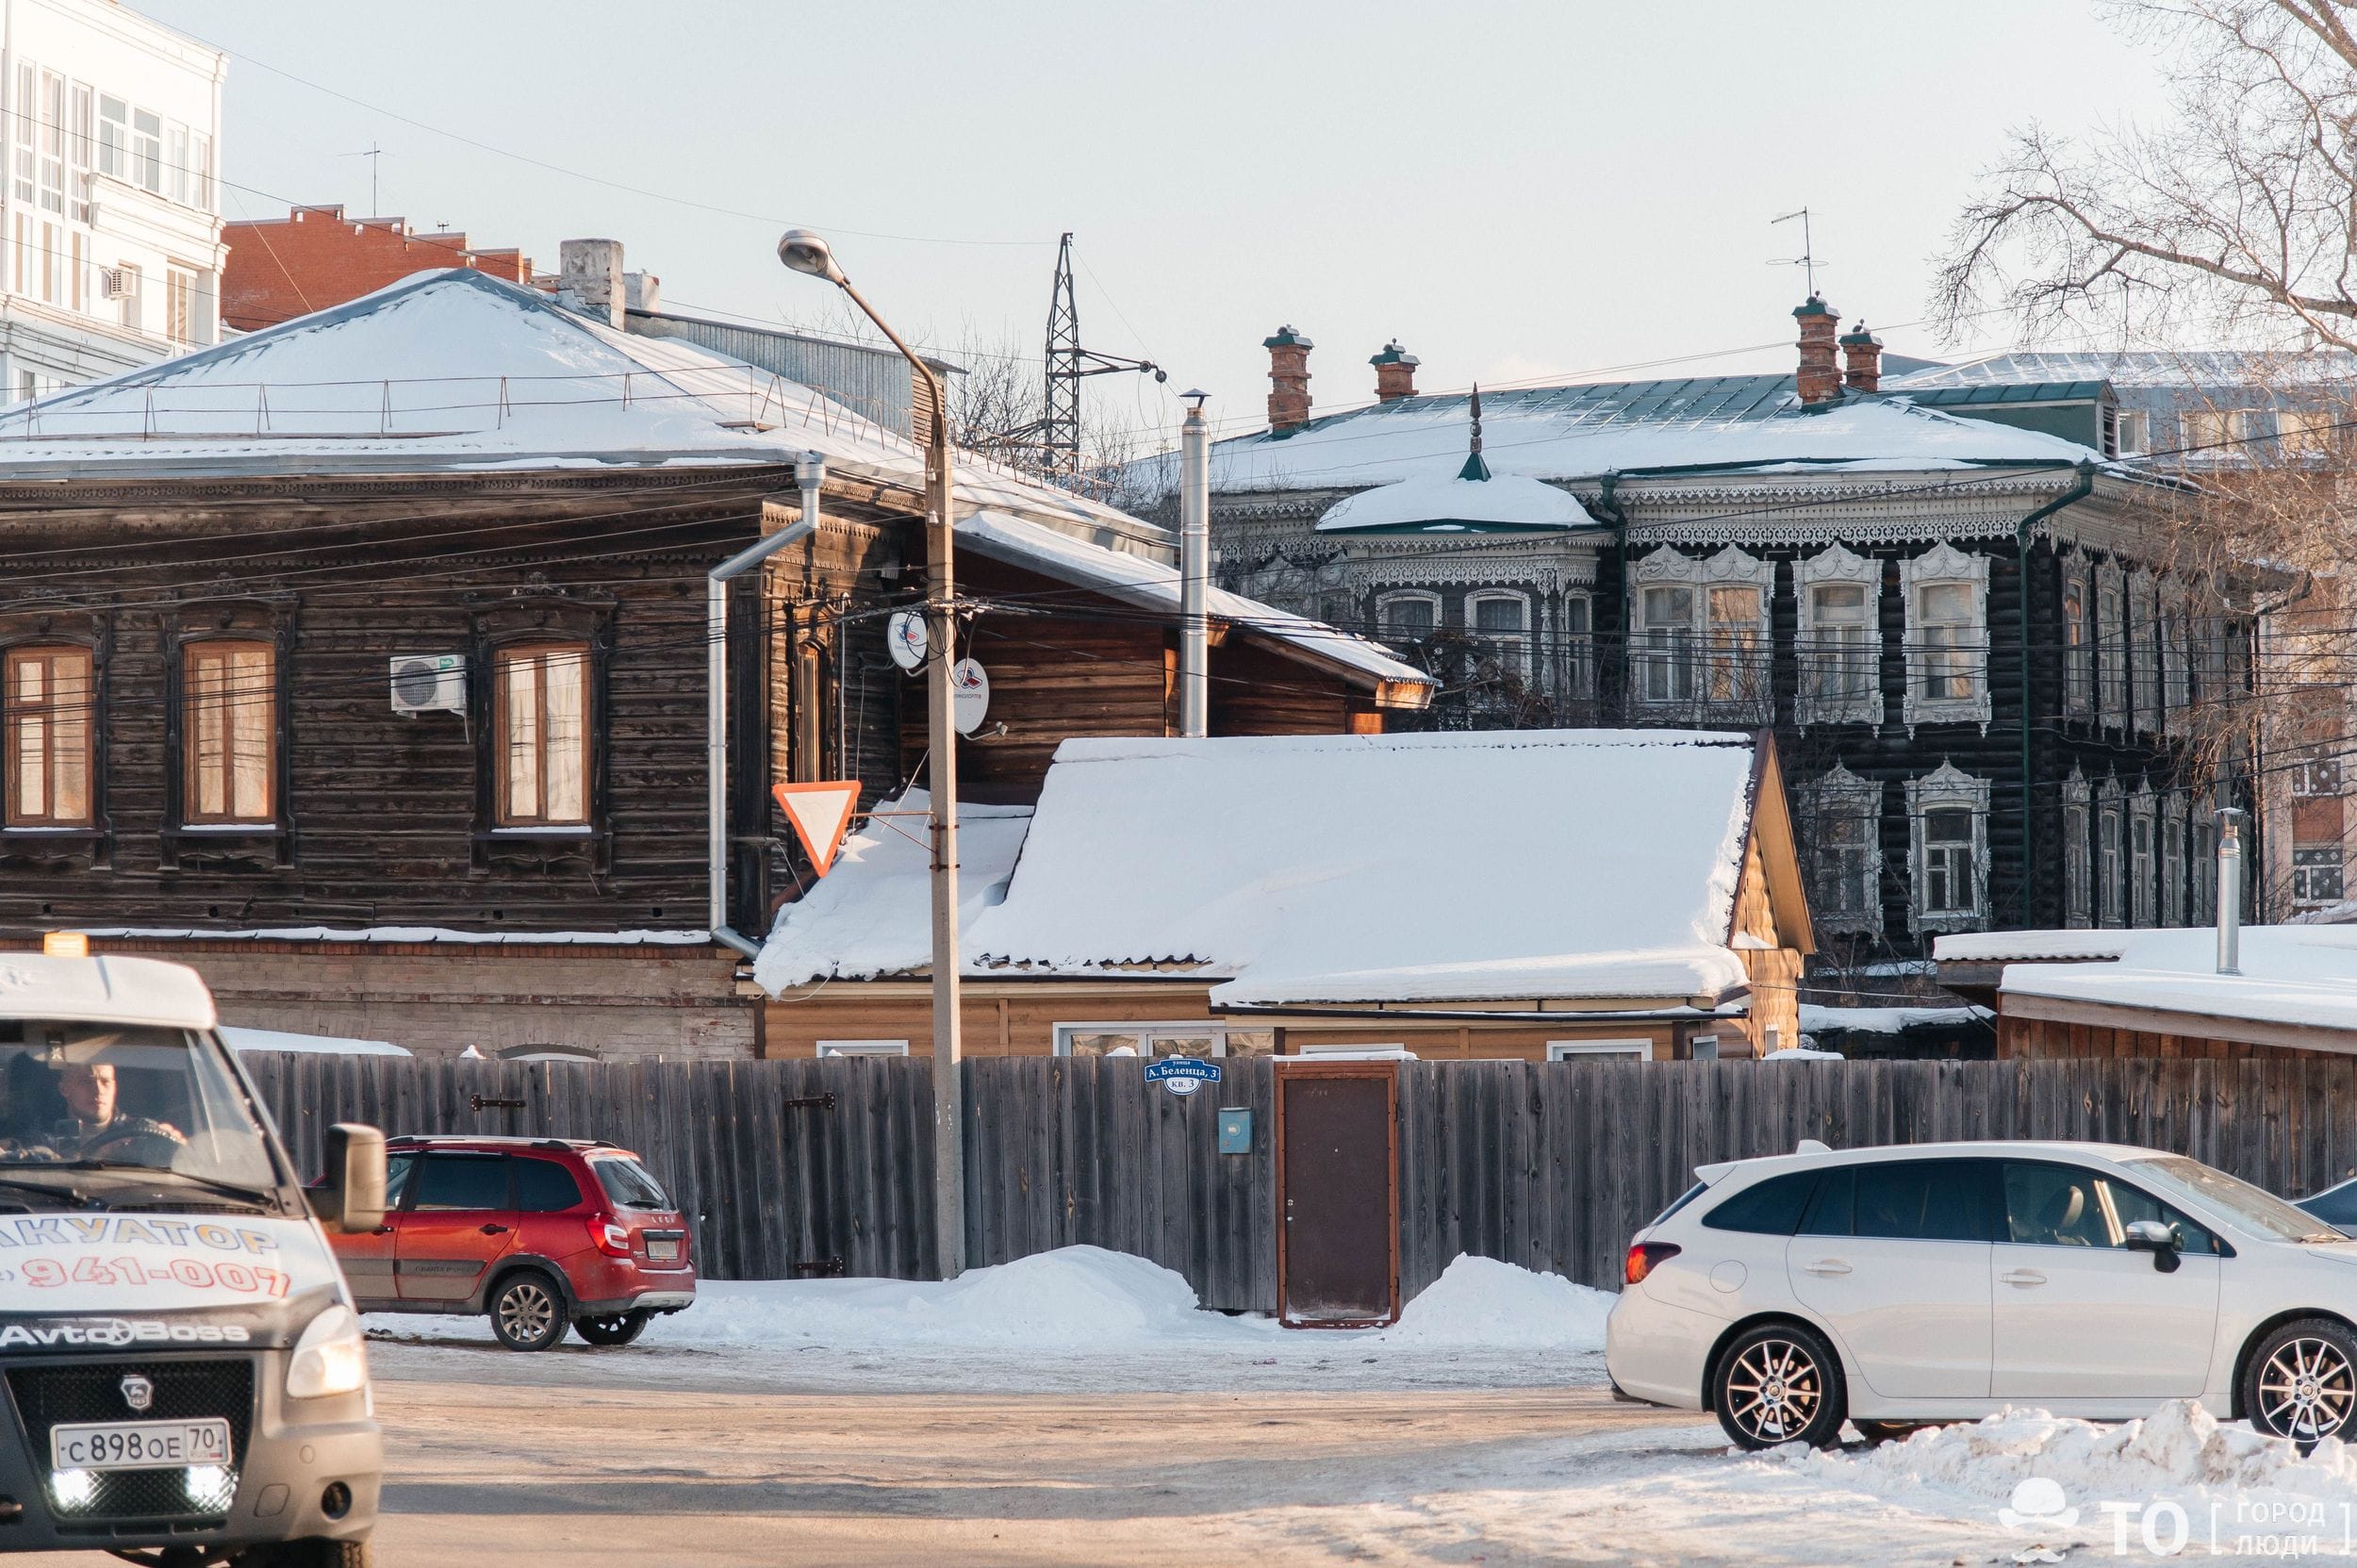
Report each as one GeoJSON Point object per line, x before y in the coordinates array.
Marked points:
{"type": "Point", "coordinates": [904, 638]}
{"type": "Point", "coordinates": [969, 689]}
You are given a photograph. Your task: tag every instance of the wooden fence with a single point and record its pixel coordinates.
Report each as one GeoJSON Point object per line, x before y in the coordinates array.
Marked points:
{"type": "Point", "coordinates": [801, 1168]}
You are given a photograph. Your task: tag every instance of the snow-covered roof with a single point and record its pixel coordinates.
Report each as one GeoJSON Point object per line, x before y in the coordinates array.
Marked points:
{"type": "Point", "coordinates": [1355, 868]}
{"type": "Point", "coordinates": [2297, 976]}
{"type": "Point", "coordinates": [107, 990]}
{"type": "Point", "coordinates": [1741, 423]}
{"type": "Point", "coordinates": [241, 1039]}
{"type": "Point", "coordinates": [1445, 500]}
{"type": "Point", "coordinates": [1153, 585]}
{"type": "Point", "coordinates": [2135, 369]}
{"type": "Point", "coordinates": [453, 371]}
{"type": "Point", "coordinates": [871, 913]}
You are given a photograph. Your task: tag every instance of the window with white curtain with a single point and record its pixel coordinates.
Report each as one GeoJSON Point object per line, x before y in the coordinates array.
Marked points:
{"type": "Point", "coordinates": [1665, 643]}
{"type": "Point", "coordinates": [1407, 617]}
{"type": "Point", "coordinates": [1947, 604]}
{"type": "Point", "coordinates": [1501, 622]}
{"type": "Point", "coordinates": [1839, 637]}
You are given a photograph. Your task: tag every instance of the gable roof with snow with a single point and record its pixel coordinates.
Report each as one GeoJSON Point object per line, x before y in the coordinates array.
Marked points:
{"type": "Point", "coordinates": [452, 370]}
{"type": "Point", "coordinates": [2298, 984]}
{"type": "Point", "coordinates": [1725, 424]}
{"type": "Point", "coordinates": [1356, 868]}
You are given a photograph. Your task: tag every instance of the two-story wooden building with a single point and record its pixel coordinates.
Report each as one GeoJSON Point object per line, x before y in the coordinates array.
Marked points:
{"type": "Point", "coordinates": [1952, 607]}
{"type": "Point", "coordinates": [361, 662]}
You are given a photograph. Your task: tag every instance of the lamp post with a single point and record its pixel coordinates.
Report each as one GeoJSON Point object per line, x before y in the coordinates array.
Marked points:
{"type": "Point", "coordinates": [805, 251]}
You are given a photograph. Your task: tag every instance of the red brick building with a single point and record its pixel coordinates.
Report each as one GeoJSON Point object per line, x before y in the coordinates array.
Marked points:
{"type": "Point", "coordinates": [315, 257]}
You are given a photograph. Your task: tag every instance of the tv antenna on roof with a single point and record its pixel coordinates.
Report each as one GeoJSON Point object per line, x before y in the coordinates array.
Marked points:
{"type": "Point", "coordinates": [1808, 259]}
{"type": "Point", "coordinates": [375, 153]}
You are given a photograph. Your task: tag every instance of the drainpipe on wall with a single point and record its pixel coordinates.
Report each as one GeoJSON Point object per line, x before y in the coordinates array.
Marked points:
{"type": "Point", "coordinates": [2081, 487]}
{"type": "Point", "coordinates": [810, 474]}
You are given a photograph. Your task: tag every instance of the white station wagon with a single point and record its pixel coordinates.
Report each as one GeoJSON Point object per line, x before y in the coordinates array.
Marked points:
{"type": "Point", "coordinates": [1945, 1281]}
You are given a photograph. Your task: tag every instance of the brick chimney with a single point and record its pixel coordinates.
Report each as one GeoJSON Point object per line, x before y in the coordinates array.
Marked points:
{"type": "Point", "coordinates": [1395, 373]}
{"type": "Point", "coordinates": [1862, 360]}
{"type": "Point", "coordinates": [1820, 379]}
{"type": "Point", "coordinates": [1288, 379]}
{"type": "Point", "coordinates": [589, 279]}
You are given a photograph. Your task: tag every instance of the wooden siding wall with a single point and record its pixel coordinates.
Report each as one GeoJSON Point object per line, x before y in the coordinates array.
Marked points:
{"type": "Point", "coordinates": [383, 820]}
{"type": "Point", "coordinates": [2050, 1038]}
{"type": "Point", "coordinates": [1548, 1165]}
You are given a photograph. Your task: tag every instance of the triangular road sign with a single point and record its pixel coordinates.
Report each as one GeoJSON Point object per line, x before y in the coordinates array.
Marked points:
{"type": "Point", "coordinates": [819, 813]}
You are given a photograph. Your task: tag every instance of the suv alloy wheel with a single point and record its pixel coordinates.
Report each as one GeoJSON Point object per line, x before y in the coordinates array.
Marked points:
{"type": "Point", "coordinates": [526, 1313]}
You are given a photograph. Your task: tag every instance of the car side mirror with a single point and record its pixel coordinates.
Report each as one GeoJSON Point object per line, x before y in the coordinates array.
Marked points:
{"type": "Point", "coordinates": [2150, 1236]}
{"type": "Point", "coordinates": [353, 1199]}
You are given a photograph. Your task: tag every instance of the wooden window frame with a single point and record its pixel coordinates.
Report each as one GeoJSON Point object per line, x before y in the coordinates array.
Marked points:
{"type": "Point", "coordinates": [10, 659]}
{"type": "Point", "coordinates": [191, 754]}
{"type": "Point", "coordinates": [503, 816]}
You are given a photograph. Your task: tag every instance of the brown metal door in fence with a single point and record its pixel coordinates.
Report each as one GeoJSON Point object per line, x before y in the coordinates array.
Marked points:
{"type": "Point", "coordinates": [1337, 1194]}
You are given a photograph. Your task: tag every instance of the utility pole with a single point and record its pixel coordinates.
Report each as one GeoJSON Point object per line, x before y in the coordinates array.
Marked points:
{"type": "Point", "coordinates": [1194, 565]}
{"type": "Point", "coordinates": [805, 251]}
{"type": "Point", "coordinates": [1057, 433]}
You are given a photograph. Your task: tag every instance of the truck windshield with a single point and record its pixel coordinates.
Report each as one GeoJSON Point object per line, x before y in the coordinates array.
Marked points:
{"type": "Point", "coordinates": [134, 1099]}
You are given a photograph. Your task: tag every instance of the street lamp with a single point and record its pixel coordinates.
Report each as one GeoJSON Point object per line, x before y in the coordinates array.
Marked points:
{"type": "Point", "coordinates": [808, 253]}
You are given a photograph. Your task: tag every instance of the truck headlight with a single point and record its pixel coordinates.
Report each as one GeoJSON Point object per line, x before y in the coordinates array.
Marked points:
{"type": "Point", "coordinates": [332, 1357]}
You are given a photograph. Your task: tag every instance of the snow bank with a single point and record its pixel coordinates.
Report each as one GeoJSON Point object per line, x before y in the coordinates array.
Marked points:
{"type": "Point", "coordinates": [2180, 1451]}
{"type": "Point", "coordinates": [1480, 1302]}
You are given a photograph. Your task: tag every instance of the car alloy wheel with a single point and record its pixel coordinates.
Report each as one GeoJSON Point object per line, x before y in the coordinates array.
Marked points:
{"type": "Point", "coordinates": [2307, 1389]}
{"type": "Point", "coordinates": [1777, 1388]}
{"type": "Point", "coordinates": [525, 1316]}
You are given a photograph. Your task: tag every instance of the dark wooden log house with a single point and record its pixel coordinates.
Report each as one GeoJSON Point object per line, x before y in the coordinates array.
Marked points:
{"type": "Point", "coordinates": [361, 663]}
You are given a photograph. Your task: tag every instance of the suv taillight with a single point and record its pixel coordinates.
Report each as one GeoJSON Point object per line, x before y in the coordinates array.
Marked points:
{"type": "Point", "coordinates": [1643, 1257]}
{"type": "Point", "coordinates": [608, 1237]}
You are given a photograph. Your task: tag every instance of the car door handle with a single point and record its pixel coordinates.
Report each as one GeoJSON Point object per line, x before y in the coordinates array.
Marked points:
{"type": "Point", "coordinates": [495, 1230]}
{"type": "Point", "coordinates": [2022, 1277]}
{"type": "Point", "coordinates": [1825, 1266]}
{"type": "Point", "coordinates": [381, 1231]}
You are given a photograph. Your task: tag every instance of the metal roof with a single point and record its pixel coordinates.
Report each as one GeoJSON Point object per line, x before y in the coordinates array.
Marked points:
{"type": "Point", "coordinates": [104, 991]}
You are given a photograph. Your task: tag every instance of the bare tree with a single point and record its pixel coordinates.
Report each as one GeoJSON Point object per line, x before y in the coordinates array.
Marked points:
{"type": "Point", "coordinates": [2239, 217]}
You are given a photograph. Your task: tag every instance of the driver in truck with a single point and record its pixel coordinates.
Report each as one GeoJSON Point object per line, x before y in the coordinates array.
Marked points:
{"type": "Point", "coordinates": [95, 1122]}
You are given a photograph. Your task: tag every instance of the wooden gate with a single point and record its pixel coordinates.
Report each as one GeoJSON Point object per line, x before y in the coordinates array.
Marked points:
{"type": "Point", "coordinates": [1337, 1194]}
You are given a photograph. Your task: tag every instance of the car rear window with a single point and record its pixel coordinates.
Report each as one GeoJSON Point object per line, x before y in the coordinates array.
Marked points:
{"type": "Point", "coordinates": [543, 1186]}
{"type": "Point", "coordinates": [1770, 1208]}
{"type": "Point", "coordinates": [1933, 1200]}
{"type": "Point", "coordinates": [627, 1182]}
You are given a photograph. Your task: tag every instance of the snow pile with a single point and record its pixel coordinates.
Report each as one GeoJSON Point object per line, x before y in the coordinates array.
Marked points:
{"type": "Point", "coordinates": [1074, 1300]}
{"type": "Point", "coordinates": [2180, 1451]}
{"type": "Point", "coordinates": [1482, 1303]}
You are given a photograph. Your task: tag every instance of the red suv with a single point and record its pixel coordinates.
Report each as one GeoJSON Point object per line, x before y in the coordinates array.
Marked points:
{"type": "Point", "coordinates": [536, 1233]}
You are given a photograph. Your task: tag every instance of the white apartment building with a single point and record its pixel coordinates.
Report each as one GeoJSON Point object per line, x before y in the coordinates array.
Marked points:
{"type": "Point", "coordinates": [110, 246]}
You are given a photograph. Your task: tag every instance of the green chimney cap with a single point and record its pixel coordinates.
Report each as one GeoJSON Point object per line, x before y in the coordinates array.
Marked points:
{"type": "Point", "coordinates": [1859, 337]}
{"type": "Point", "coordinates": [1394, 354]}
{"type": "Point", "coordinates": [1287, 339]}
{"type": "Point", "coordinates": [1815, 305]}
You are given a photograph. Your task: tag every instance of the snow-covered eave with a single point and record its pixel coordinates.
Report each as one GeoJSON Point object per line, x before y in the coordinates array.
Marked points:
{"type": "Point", "coordinates": [435, 935]}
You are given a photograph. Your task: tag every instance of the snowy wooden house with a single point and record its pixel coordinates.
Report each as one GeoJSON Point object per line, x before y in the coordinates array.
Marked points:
{"type": "Point", "coordinates": [362, 662]}
{"type": "Point", "coordinates": [1443, 895]}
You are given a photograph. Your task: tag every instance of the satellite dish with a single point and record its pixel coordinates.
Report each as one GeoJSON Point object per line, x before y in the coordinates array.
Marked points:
{"type": "Point", "coordinates": [904, 638]}
{"type": "Point", "coordinates": [969, 689]}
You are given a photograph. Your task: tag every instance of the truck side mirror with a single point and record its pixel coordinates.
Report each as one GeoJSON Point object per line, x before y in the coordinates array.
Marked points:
{"type": "Point", "coordinates": [354, 1199]}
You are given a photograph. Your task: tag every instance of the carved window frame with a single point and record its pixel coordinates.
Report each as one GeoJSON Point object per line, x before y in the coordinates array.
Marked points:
{"type": "Point", "coordinates": [1942, 565]}
{"type": "Point", "coordinates": [1522, 660]}
{"type": "Point", "coordinates": [1837, 564]}
{"type": "Point", "coordinates": [187, 837]}
{"type": "Point", "coordinates": [1843, 794]}
{"type": "Point", "coordinates": [2078, 802]}
{"type": "Point", "coordinates": [1384, 601]}
{"type": "Point", "coordinates": [2175, 861]}
{"type": "Point", "coordinates": [2111, 646]}
{"type": "Point", "coordinates": [2079, 657]}
{"type": "Point", "coordinates": [2143, 880]}
{"type": "Point", "coordinates": [1689, 647]}
{"type": "Point", "coordinates": [2111, 855]}
{"type": "Point", "coordinates": [1946, 788]}
{"type": "Point", "coordinates": [2144, 668]}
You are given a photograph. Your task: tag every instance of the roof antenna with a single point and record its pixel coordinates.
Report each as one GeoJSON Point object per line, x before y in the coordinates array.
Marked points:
{"type": "Point", "coordinates": [1806, 260]}
{"type": "Point", "coordinates": [1474, 468]}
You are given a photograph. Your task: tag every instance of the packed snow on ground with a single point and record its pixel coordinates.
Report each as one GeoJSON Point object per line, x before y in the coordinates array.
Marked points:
{"type": "Point", "coordinates": [1083, 1316]}
{"type": "Point", "coordinates": [2020, 1487]}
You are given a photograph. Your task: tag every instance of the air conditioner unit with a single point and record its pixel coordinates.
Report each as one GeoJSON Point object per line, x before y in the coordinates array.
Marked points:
{"type": "Point", "coordinates": [429, 683]}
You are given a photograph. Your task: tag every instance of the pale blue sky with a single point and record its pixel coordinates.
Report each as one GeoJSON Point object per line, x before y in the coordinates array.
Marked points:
{"type": "Point", "coordinates": [1513, 190]}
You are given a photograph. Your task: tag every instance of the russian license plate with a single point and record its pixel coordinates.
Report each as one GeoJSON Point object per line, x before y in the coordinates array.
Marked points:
{"type": "Point", "coordinates": [139, 1445]}
{"type": "Point", "coordinates": [662, 1250]}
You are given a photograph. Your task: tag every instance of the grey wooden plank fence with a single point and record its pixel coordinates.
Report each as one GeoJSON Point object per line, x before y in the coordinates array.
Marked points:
{"type": "Point", "coordinates": [1546, 1164]}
